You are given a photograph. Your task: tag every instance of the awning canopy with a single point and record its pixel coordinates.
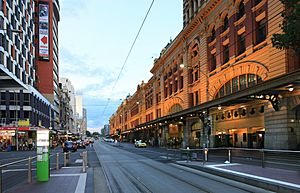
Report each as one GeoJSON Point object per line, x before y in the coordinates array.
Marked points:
{"type": "Point", "coordinates": [268, 87]}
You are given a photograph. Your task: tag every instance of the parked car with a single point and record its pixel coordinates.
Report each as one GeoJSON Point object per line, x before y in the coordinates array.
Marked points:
{"type": "Point", "coordinates": [80, 144]}
{"type": "Point", "coordinates": [110, 140]}
{"type": "Point", "coordinates": [69, 146]}
{"type": "Point", "coordinates": [139, 143]}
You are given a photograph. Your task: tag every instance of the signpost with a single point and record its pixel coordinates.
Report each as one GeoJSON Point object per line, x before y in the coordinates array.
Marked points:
{"type": "Point", "coordinates": [42, 165]}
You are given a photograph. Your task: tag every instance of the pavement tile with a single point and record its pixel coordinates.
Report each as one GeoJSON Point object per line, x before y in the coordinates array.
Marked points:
{"type": "Point", "coordinates": [57, 184]}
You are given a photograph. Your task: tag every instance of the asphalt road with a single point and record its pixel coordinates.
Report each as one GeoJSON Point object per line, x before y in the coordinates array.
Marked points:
{"type": "Point", "coordinates": [128, 170]}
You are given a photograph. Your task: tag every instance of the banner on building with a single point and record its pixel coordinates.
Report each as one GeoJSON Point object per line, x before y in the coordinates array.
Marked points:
{"type": "Point", "coordinates": [44, 31]}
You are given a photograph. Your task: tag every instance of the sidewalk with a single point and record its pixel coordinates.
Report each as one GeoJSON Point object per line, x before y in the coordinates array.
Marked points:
{"type": "Point", "coordinates": [278, 180]}
{"type": "Point", "coordinates": [64, 180]}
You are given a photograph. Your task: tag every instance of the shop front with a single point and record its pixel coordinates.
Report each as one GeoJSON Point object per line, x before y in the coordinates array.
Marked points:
{"type": "Point", "coordinates": [239, 126]}
{"type": "Point", "coordinates": [18, 138]}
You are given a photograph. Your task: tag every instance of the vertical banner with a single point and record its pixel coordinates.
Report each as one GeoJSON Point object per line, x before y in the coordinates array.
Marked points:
{"type": "Point", "coordinates": [44, 31]}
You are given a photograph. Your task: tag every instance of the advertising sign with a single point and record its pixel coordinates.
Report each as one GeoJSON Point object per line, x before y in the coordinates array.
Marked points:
{"type": "Point", "coordinates": [42, 151]}
{"type": "Point", "coordinates": [44, 31]}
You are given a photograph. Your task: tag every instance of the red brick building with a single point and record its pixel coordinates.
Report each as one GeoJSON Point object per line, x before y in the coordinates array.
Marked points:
{"type": "Point", "coordinates": [47, 63]}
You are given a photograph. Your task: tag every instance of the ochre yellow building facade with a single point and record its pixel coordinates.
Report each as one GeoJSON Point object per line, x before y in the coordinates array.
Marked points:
{"type": "Point", "coordinates": [219, 83]}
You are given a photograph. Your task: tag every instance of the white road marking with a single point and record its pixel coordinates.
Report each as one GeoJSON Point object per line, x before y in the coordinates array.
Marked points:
{"type": "Point", "coordinates": [78, 161]}
{"type": "Point", "coordinates": [258, 177]}
{"type": "Point", "coordinates": [220, 165]}
{"type": "Point", "coordinates": [80, 188]}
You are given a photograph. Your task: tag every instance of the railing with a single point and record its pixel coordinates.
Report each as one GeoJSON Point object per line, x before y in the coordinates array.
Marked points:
{"type": "Point", "coordinates": [262, 157]}
{"type": "Point", "coordinates": [28, 166]}
{"type": "Point", "coordinates": [29, 170]}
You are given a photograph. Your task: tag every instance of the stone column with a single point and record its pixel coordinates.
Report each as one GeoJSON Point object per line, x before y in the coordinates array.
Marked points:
{"type": "Point", "coordinates": [281, 127]}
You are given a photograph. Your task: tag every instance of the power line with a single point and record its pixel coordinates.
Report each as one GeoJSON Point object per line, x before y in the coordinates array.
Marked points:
{"type": "Point", "coordinates": [129, 54]}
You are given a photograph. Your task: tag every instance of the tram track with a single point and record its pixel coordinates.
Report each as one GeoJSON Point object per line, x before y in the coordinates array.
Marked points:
{"type": "Point", "coordinates": [208, 183]}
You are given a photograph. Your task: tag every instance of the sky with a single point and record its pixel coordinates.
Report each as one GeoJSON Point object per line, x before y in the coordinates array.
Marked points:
{"type": "Point", "coordinates": [95, 37]}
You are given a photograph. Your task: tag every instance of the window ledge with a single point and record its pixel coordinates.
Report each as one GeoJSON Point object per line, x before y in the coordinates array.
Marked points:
{"type": "Point", "coordinates": [260, 45]}
{"type": "Point", "coordinates": [224, 33]}
{"type": "Point", "coordinates": [258, 6]}
{"type": "Point", "coordinates": [240, 57]}
{"type": "Point", "coordinates": [212, 42]}
{"type": "Point", "coordinates": [238, 22]}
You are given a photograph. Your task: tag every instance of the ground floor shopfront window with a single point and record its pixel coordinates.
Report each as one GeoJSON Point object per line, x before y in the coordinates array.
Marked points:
{"type": "Point", "coordinates": [175, 136]}
{"type": "Point", "coordinates": [17, 138]}
{"type": "Point", "coordinates": [241, 138]}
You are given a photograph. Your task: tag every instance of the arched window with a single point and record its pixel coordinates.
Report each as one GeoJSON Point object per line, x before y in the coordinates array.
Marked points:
{"type": "Point", "coordinates": [238, 83]}
{"type": "Point", "coordinates": [225, 21]}
{"type": "Point", "coordinates": [213, 34]}
{"type": "Point", "coordinates": [241, 10]}
{"type": "Point", "coordinates": [175, 108]}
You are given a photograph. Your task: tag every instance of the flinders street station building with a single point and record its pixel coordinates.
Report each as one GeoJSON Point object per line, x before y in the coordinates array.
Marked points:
{"type": "Point", "coordinates": [219, 83]}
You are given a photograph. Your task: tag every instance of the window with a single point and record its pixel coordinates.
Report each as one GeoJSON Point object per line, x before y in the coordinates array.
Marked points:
{"type": "Point", "coordinates": [221, 92]}
{"type": "Point", "coordinates": [175, 85]}
{"type": "Point", "coordinates": [196, 74]}
{"type": "Point", "coordinates": [213, 34]}
{"type": "Point", "coordinates": [235, 84]}
{"type": "Point", "coordinates": [243, 81]}
{"type": "Point", "coordinates": [241, 10]}
{"type": "Point", "coordinates": [228, 87]}
{"type": "Point", "coordinates": [181, 82]}
{"type": "Point", "coordinates": [196, 98]}
{"type": "Point", "coordinates": [261, 31]}
{"type": "Point", "coordinates": [225, 25]}
{"type": "Point", "coordinates": [241, 43]}
{"type": "Point", "coordinates": [244, 137]}
{"type": "Point", "coordinates": [226, 54]}
{"type": "Point", "coordinates": [166, 92]}
{"type": "Point", "coordinates": [213, 62]}
{"type": "Point", "coordinates": [256, 2]}
{"type": "Point", "coordinates": [170, 89]}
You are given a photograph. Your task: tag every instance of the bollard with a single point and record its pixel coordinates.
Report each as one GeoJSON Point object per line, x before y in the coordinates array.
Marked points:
{"type": "Point", "coordinates": [229, 156]}
{"type": "Point", "coordinates": [187, 154]}
{"type": "Point", "coordinates": [0, 178]}
{"type": "Point", "coordinates": [57, 161]}
{"type": "Point", "coordinates": [262, 158]}
{"type": "Point", "coordinates": [205, 155]}
{"type": "Point", "coordinates": [84, 161]}
{"type": "Point", "coordinates": [65, 159]}
{"type": "Point", "coordinates": [29, 170]}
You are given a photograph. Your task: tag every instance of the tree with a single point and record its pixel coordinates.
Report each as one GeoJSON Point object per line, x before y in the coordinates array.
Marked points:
{"type": "Point", "coordinates": [96, 134]}
{"type": "Point", "coordinates": [290, 27]}
{"type": "Point", "coordinates": [88, 133]}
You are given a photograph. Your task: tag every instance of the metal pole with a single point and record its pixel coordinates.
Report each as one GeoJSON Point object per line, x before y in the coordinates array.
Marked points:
{"type": "Point", "coordinates": [29, 170]}
{"type": "Point", "coordinates": [263, 159]}
{"type": "Point", "coordinates": [84, 161]}
{"type": "Point", "coordinates": [17, 139]}
{"type": "Point", "coordinates": [0, 178]}
{"type": "Point", "coordinates": [86, 158]}
{"type": "Point", "coordinates": [229, 156]}
{"type": "Point", "coordinates": [65, 159]}
{"type": "Point", "coordinates": [57, 161]}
